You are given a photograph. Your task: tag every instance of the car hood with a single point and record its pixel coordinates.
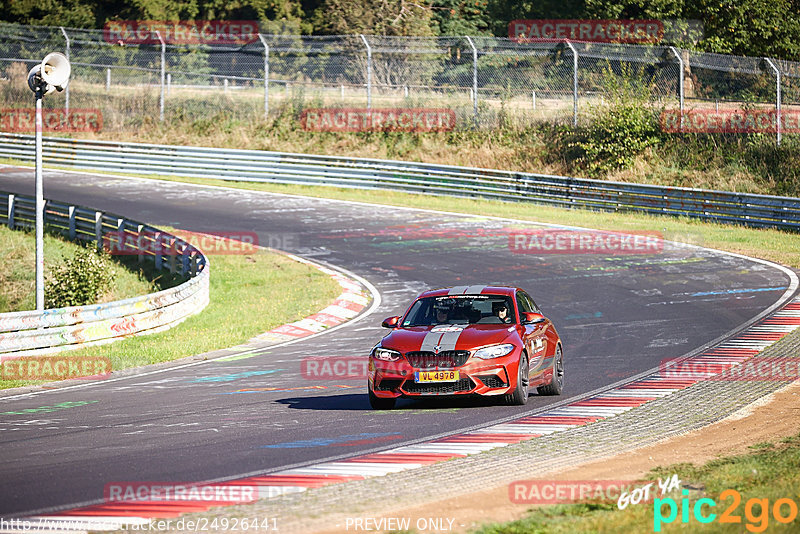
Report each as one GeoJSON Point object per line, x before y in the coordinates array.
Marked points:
{"type": "Point", "coordinates": [449, 337]}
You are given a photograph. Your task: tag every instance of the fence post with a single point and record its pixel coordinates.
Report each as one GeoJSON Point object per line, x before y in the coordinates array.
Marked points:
{"type": "Point", "coordinates": [266, 74]}
{"type": "Point", "coordinates": [98, 229]}
{"type": "Point", "coordinates": [139, 251]}
{"type": "Point", "coordinates": [159, 258]}
{"type": "Point", "coordinates": [369, 72]}
{"type": "Point", "coordinates": [108, 79]}
{"type": "Point", "coordinates": [533, 97]}
{"type": "Point", "coordinates": [574, 83]}
{"type": "Point", "coordinates": [11, 210]}
{"type": "Point", "coordinates": [169, 83]}
{"type": "Point", "coordinates": [680, 80]}
{"type": "Point", "coordinates": [66, 90]}
{"type": "Point", "coordinates": [72, 222]}
{"type": "Point", "coordinates": [173, 251]}
{"type": "Point", "coordinates": [120, 235]}
{"type": "Point", "coordinates": [185, 260]}
{"type": "Point", "coordinates": [163, 76]}
{"type": "Point", "coordinates": [474, 77]}
{"type": "Point", "coordinates": [777, 72]}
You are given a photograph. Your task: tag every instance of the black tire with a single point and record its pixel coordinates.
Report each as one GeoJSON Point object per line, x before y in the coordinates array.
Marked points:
{"type": "Point", "coordinates": [379, 403]}
{"type": "Point", "coordinates": [556, 385]}
{"type": "Point", "coordinates": [520, 395]}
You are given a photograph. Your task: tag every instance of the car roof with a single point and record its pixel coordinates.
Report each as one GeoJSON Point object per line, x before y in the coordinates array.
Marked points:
{"type": "Point", "coordinates": [476, 289]}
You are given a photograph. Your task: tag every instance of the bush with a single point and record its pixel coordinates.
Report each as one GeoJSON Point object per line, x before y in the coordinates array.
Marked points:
{"type": "Point", "coordinates": [79, 281]}
{"type": "Point", "coordinates": [619, 130]}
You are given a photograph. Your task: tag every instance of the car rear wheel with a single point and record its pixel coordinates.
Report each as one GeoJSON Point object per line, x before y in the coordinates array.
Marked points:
{"type": "Point", "coordinates": [520, 395]}
{"type": "Point", "coordinates": [379, 403]}
{"type": "Point", "coordinates": [556, 385]}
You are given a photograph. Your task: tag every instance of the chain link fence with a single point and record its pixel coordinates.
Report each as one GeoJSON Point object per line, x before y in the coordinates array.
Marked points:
{"type": "Point", "coordinates": [487, 81]}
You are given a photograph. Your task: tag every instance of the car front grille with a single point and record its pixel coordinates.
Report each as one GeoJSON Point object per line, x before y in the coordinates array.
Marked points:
{"type": "Point", "coordinates": [465, 384]}
{"type": "Point", "coordinates": [447, 359]}
{"type": "Point", "coordinates": [493, 381]}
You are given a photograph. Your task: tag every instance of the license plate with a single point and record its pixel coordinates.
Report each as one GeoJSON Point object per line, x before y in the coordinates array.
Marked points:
{"type": "Point", "coordinates": [435, 376]}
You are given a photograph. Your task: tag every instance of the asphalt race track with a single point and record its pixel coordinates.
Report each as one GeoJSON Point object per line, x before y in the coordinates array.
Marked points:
{"type": "Point", "coordinates": [618, 316]}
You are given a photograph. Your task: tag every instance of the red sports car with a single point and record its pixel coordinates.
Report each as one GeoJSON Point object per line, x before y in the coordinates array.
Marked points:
{"type": "Point", "coordinates": [484, 340]}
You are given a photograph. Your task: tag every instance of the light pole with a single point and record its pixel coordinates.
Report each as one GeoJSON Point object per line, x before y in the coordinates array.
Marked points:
{"type": "Point", "coordinates": [51, 75]}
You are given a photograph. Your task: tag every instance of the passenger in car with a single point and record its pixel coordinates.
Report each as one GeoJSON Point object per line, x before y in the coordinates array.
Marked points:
{"type": "Point", "coordinates": [500, 309]}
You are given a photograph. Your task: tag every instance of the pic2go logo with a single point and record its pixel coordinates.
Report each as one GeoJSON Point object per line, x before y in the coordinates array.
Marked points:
{"type": "Point", "coordinates": [756, 511]}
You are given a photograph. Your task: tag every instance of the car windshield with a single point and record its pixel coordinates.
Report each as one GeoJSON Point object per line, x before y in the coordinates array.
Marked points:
{"type": "Point", "coordinates": [461, 309]}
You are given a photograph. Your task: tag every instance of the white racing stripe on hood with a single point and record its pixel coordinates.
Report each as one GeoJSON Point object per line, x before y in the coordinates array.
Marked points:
{"type": "Point", "coordinates": [446, 336]}
{"type": "Point", "coordinates": [466, 290]}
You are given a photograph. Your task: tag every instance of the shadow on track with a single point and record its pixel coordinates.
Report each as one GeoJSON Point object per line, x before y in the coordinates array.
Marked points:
{"type": "Point", "coordinates": [360, 402]}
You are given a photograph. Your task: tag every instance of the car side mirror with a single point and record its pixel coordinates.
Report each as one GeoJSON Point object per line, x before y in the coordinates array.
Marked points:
{"type": "Point", "coordinates": [391, 322]}
{"type": "Point", "coordinates": [532, 318]}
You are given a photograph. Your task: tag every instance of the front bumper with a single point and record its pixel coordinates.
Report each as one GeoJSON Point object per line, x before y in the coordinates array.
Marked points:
{"type": "Point", "coordinates": [476, 377]}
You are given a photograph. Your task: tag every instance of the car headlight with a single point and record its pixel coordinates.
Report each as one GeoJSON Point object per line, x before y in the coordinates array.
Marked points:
{"type": "Point", "coordinates": [387, 355]}
{"type": "Point", "coordinates": [495, 351]}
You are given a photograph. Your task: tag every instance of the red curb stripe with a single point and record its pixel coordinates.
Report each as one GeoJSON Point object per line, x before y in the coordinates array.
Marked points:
{"type": "Point", "coordinates": [309, 481]}
{"type": "Point", "coordinates": [326, 319]}
{"type": "Point", "coordinates": [404, 458]}
{"type": "Point", "coordinates": [611, 402]}
{"type": "Point", "coordinates": [485, 438]}
{"type": "Point", "coordinates": [559, 419]}
{"type": "Point", "coordinates": [761, 336]}
{"type": "Point", "coordinates": [348, 304]}
{"type": "Point", "coordinates": [292, 330]}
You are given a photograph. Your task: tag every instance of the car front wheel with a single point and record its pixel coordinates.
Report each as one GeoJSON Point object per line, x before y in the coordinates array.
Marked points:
{"type": "Point", "coordinates": [520, 395]}
{"type": "Point", "coordinates": [380, 403]}
{"type": "Point", "coordinates": [556, 385]}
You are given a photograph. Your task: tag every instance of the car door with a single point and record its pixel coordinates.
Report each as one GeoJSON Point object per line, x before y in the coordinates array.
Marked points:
{"type": "Point", "coordinates": [535, 338]}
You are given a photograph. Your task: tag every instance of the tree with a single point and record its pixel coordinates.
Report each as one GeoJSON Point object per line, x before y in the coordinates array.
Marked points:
{"type": "Point", "coordinates": [75, 13]}
{"type": "Point", "coordinates": [376, 17]}
{"type": "Point", "coordinates": [502, 12]}
{"type": "Point", "coordinates": [462, 17]}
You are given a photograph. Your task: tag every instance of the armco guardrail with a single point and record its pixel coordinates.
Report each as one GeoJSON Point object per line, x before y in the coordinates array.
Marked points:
{"type": "Point", "coordinates": [32, 332]}
{"type": "Point", "coordinates": [286, 168]}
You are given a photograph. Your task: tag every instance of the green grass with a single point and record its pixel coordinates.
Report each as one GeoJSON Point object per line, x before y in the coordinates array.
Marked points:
{"type": "Point", "coordinates": [771, 471]}
{"type": "Point", "coordinates": [18, 275]}
{"type": "Point", "coordinates": [249, 294]}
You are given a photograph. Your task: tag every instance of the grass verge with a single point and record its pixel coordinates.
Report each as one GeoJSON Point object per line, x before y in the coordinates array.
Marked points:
{"type": "Point", "coordinates": [269, 289]}
{"type": "Point", "coordinates": [18, 275]}
{"type": "Point", "coordinates": [767, 474]}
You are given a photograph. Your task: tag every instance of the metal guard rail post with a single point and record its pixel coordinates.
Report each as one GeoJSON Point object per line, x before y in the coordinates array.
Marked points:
{"type": "Point", "coordinates": [287, 168]}
{"type": "Point", "coordinates": [33, 333]}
